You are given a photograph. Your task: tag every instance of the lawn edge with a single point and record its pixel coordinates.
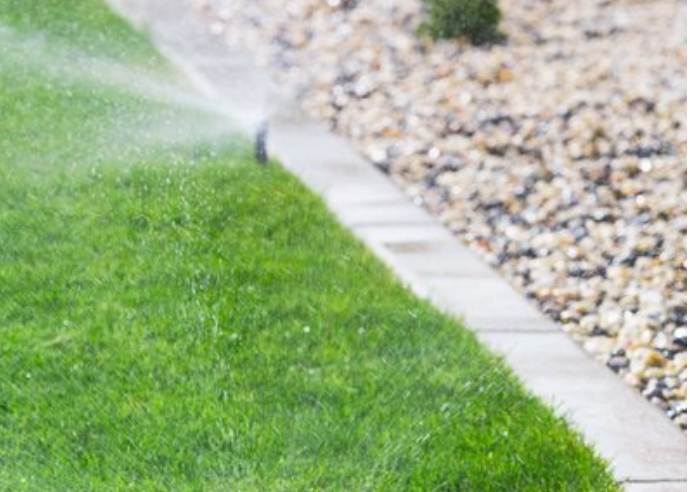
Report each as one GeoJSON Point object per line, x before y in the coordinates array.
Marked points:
{"type": "Point", "coordinates": [644, 448]}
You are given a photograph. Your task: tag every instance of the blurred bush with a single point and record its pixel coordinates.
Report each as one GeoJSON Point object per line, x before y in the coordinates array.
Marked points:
{"type": "Point", "coordinates": [475, 20]}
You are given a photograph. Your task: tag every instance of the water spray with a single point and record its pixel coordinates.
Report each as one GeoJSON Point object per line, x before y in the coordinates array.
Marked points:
{"type": "Point", "coordinates": [260, 152]}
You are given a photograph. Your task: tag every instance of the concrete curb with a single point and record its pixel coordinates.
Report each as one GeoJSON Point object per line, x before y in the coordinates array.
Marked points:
{"type": "Point", "coordinates": [647, 451]}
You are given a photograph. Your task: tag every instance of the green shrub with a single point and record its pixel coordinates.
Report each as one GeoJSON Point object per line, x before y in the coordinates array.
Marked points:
{"type": "Point", "coordinates": [476, 20]}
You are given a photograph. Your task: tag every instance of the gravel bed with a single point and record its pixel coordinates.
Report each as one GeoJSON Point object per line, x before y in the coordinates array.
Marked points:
{"type": "Point", "coordinates": [558, 155]}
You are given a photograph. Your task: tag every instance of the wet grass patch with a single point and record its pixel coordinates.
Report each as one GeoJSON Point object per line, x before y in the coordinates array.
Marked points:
{"type": "Point", "coordinates": [174, 317]}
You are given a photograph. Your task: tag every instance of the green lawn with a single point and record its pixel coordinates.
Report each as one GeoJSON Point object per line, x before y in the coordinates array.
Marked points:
{"type": "Point", "coordinates": [175, 318]}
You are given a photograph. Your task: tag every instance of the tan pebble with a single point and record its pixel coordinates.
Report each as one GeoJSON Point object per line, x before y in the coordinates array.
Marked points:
{"type": "Point", "coordinates": [632, 380]}
{"type": "Point", "coordinates": [680, 393]}
{"type": "Point", "coordinates": [392, 132]}
{"type": "Point", "coordinates": [654, 372]}
{"type": "Point", "coordinates": [599, 345]}
{"type": "Point", "coordinates": [505, 75]}
{"type": "Point", "coordinates": [654, 359]}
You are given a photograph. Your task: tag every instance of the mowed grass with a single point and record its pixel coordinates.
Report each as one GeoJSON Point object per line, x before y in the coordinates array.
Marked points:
{"type": "Point", "coordinates": [178, 319]}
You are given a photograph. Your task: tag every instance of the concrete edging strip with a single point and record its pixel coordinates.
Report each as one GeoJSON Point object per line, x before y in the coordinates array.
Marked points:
{"type": "Point", "coordinates": [647, 451]}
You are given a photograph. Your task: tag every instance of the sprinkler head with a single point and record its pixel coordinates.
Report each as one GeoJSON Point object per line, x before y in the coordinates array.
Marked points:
{"type": "Point", "coordinates": [260, 152]}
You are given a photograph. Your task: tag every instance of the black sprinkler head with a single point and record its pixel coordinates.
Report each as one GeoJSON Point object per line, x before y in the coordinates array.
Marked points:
{"type": "Point", "coordinates": [260, 152]}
